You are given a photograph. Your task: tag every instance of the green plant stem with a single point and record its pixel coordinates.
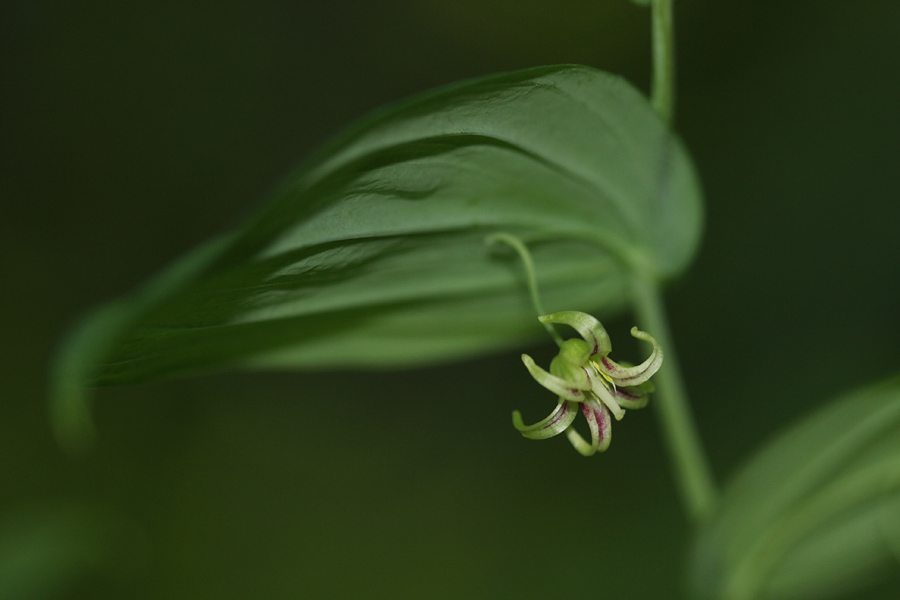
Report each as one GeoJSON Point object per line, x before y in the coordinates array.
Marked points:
{"type": "Point", "coordinates": [663, 87]}
{"type": "Point", "coordinates": [689, 462]}
{"type": "Point", "coordinates": [521, 249]}
{"type": "Point", "coordinates": [688, 459]}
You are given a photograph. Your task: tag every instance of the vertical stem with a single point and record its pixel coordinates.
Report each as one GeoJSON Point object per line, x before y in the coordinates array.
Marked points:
{"type": "Point", "coordinates": [663, 87]}
{"type": "Point", "coordinates": [689, 463]}
{"type": "Point", "coordinates": [679, 431]}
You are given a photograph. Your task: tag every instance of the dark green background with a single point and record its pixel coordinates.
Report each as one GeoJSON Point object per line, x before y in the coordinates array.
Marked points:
{"type": "Point", "coordinates": [130, 132]}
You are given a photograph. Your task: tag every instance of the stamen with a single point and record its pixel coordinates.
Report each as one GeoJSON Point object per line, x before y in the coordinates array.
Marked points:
{"type": "Point", "coordinates": [604, 376]}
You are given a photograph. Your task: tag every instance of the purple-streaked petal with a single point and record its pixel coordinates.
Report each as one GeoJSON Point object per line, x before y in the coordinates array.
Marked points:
{"type": "Point", "coordinates": [558, 421]}
{"type": "Point", "coordinates": [628, 376]}
{"type": "Point", "coordinates": [630, 397]}
{"type": "Point", "coordinates": [600, 424]}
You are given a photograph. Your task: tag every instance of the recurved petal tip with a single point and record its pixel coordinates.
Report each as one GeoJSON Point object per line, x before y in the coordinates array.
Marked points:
{"type": "Point", "coordinates": [630, 376]}
{"type": "Point", "coordinates": [557, 422]}
{"type": "Point", "coordinates": [600, 424]}
{"type": "Point", "coordinates": [587, 326]}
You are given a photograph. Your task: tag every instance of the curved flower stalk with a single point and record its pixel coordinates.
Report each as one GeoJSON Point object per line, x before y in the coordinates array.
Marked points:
{"type": "Point", "coordinates": [584, 377]}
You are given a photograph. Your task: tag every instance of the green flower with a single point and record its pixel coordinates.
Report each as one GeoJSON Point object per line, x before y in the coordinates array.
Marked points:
{"type": "Point", "coordinates": [585, 378]}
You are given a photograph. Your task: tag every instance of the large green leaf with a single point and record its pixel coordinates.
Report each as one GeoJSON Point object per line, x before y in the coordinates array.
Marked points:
{"type": "Point", "coordinates": [373, 252]}
{"type": "Point", "coordinates": [817, 512]}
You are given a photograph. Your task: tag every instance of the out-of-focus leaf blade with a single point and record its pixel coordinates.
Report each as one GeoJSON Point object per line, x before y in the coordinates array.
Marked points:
{"type": "Point", "coordinates": [816, 512]}
{"type": "Point", "coordinates": [45, 551]}
{"type": "Point", "coordinates": [373, 252]}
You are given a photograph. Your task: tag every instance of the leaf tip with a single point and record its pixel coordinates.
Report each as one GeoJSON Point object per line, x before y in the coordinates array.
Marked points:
{"type": "Point", "coordinates": [71, 372]}
{"type": "Point", "coordinates": [71, 421]}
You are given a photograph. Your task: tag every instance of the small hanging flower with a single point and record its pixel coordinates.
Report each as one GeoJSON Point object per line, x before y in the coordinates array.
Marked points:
{"type": "Point", "coordinates": [584, 377]}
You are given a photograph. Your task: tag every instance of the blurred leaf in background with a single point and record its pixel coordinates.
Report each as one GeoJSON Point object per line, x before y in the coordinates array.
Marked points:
{"type": "Point", "coordinates": [817, 512]}
{"type": "Point", "coordinates": [45, 552]}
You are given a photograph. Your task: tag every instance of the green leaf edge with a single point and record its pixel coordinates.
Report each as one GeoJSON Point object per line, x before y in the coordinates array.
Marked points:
{"type": "Point", "coordinates": [822, 476]}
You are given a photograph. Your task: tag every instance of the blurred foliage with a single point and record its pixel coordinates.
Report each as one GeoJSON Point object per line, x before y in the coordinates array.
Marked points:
{"type": "Point", "coordinates": [129, 132]}
{"type": "Point", "coordinates": [816, 512]}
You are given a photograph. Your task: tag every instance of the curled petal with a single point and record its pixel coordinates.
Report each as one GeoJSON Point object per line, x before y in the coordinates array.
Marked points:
{"type": "Point", "coordinates": [600, 425]}
{"type": "Point", "coordinates": [578, 442]}
{"type": "Point", "coordinates": [630, 397]}
{"type": "Point", "coordinates": [590, 329]}
{"type": "Point", "coordinates": [628, 376]}
{"type": "Point", "coordinates": [559, 386]}
{"type": "Point", "coordinates": [608, 398]}
{"type": "Point", "coordinates": [553, 425]}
